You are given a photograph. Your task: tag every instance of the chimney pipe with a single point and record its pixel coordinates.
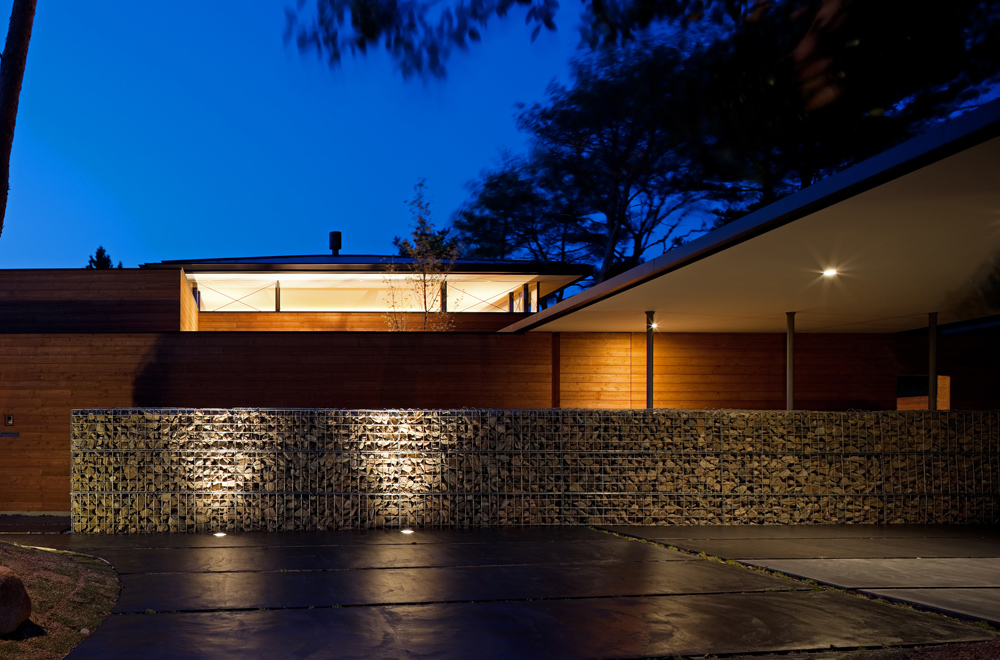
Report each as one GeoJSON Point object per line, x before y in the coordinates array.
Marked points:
{"type": "Point", "coordinates": [335, 243]}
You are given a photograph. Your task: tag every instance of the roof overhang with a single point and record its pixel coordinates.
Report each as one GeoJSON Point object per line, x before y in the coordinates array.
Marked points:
{"type": "Point", "coordinates": [911, 231]}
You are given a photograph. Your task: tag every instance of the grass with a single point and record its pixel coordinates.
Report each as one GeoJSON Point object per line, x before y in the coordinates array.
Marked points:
{"type": "Point", "coordinates": [71, 594]}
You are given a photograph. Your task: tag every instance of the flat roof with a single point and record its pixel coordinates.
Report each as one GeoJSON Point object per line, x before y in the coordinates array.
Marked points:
{"type": "Point", "coordinates": [913, 230]}
{"type": "Point", "coordinates": [364, 263]}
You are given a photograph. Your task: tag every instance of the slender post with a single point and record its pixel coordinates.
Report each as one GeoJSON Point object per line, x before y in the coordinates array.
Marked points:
{"type": "Point", "coordinates": [444, 296]}
{"type": "Point", "coordinates": [510, 302]}
{"type": "Point", "coordinates": [790, 362]}
{"type": "Point", "coordinates": [277, 296]}
{"type": "Point", "coordinates": [932, 389]}
{"type": "Point", "coordinates": [538, 296]}
{"type": "Point", "coordinates": [650, 326]}
{"type": "Point", "coordinates": [526, 298]}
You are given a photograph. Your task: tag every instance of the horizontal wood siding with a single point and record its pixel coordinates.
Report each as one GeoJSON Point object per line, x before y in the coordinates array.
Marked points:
{"type": "Point", "coordinates": [82, 300]}
{"type": "Point", "coordinates": [845, 371]}
{"type": "Point", "coordinates": [43, 377]}
{"type": "Point", "coordinates": [342, 321]}
{"type": "Point", "coordinates": [595, 370]}
{"type": "Point", "coordinates": [746, 371]}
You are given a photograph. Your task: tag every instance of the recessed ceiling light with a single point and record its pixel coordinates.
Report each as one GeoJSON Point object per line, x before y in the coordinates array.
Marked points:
{"type": "Point", "coordinates": [830, 272]}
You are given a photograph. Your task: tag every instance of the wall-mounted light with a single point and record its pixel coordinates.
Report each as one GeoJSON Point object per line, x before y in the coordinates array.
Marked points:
{"type": "Point", "coordinates": [830, 272]}
{"type": "Point", "coordinates": [653, 326]}
{"type": "Point", "coordinates": [219, 534]}
{"type": "Point", "coordinates": [406, 531]}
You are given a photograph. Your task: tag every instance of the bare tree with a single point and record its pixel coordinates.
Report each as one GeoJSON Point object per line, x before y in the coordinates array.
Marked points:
{"type": "Point", "coordinates": [429, 257]}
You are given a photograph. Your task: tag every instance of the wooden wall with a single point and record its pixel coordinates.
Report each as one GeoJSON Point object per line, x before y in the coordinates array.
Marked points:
{"type": "Point", "coordinates": [705, 371]}
{"type": "Point", "coordinates": [82, 300]}
{"type": "Point", "coordinates": [44, 376]}
{"type": "Point", "coordinates": [353, 321]}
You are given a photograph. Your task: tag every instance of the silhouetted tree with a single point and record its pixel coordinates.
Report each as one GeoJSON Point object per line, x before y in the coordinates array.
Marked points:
{"type": "Point", "coordinates": [513, 214]}
{"type": "Point", "coordinates": [606, 177]}
{"type": "Point", "coordinates": [650, 131]}
{"type": "Point", "coordinates": [101, 260]}
{"type": "Point", "coordinates": [15, 56]}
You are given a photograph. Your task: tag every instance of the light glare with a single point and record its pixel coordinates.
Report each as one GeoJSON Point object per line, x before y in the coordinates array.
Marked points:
{"type": "Point", "coordinates": [219, 534]}
{"type": "Point", "coordinates": [653, 326]}
{"type": "Point", "coordinates": [406, 531]}
{"type": "Point", "coordinates": [830, 272]}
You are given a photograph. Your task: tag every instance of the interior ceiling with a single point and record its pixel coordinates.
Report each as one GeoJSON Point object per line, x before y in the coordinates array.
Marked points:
{"type": "Point", "coordinates": [920, 243]}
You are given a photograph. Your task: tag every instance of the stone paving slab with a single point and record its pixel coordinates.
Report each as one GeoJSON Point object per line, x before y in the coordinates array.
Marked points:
{"type": "Point", "coordinates": [806, 531]}
{"type": "Point", "coordinates": [555, 629]}
{"type": "Point", "coordinates": [197, 591]}
{"type": "Point", "coordinates": [873, 573]}
{"type": "Point", "coordinates": [603, 548]}
{"type": "Point", "coordinates": [975, 603]}
{"type": "Point", "coordinates": [833, 548]}
{"type": "Point", "coordinates": [84, 542]}
{"type": "Point", "coordinates": [28, 524]}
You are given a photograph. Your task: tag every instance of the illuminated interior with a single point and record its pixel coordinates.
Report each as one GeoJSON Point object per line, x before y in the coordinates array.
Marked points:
{"type": "Point", "coordinates": [366, 292]}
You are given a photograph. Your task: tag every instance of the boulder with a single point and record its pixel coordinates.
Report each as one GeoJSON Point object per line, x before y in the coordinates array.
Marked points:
{"type": "Point", "coordinates": [15, 604]}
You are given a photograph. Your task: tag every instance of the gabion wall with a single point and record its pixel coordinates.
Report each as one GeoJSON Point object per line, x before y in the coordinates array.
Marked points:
{"type": "Point", "coordinates": [159, 470]}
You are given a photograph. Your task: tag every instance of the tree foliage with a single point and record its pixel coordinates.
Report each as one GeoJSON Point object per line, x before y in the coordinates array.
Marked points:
{"type": "Point", "coordinates": [662, 130]}
{"type": "Point", "coordinates": [428, 255]}
{"type": "Point", "coordinates": [419, 34]}
{"type": "Point", "coordinates": [101, 260]}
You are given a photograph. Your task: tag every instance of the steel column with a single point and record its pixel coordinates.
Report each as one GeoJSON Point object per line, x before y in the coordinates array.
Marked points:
{"type": "Point", "coordinates": [650, 326]}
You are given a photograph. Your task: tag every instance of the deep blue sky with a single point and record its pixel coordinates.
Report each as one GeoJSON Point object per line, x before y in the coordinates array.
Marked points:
{"type": "Point", "coordinates": [188, 129]}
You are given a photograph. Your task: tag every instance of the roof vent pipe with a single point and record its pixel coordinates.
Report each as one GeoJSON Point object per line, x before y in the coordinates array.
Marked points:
{"type": "Point", "coordinates": [335, 243]}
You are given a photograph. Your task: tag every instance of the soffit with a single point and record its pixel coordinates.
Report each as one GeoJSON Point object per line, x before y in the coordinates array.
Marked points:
{"type": "Point", "coordinates": [919, 243]}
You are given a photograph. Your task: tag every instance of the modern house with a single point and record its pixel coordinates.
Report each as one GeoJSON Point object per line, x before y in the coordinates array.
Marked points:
{"type": "Point", "coordinates": [836, 298]}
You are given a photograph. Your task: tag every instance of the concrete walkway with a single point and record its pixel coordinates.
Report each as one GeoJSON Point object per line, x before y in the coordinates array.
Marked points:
{"type": "Point", "coordinates": [949, 569]}
{"type": "Point", "coordinates": [570, 592]}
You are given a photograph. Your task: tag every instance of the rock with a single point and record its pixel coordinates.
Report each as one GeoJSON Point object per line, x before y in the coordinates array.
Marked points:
{"type": "Point", "coordinates": [15, 604]}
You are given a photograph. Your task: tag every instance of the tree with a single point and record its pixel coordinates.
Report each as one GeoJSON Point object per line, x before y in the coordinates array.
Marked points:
{"type": "Point", "coordinates": [101, 260]}
{"type": "Point", "coordinates": [419, 34]}
{"type": "Point", "coordinates": [429, 256]}
{"type": "Point", "coordinates": [15, 56]}
{"type": "Point", "coordinates": [661, 128]}
{"type": "Point", "coordinates": [513, 214]}
{"type": "Point", "coordinates": [606, 176]}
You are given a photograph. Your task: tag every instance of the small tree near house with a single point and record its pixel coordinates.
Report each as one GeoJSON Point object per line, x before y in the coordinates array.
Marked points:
{"type": "Point", "coordinates": [430, 255]}
{"type": "Point", "coordinates": [101, 260]}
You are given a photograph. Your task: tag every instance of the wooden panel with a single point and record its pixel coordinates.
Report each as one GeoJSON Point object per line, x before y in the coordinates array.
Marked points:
{"type": "Point", "coordinates": [344, 321]}
{"type": "Point", "coordinates": [833, 372]}
{"type": "Point", "coordinates": [44, 376]}
{"type": "Point", "coordinates": [82, 300]}
{"type": "Point", "coordinates": [189, 306]}
{"type": "Point", "coordinates": [595, 370]}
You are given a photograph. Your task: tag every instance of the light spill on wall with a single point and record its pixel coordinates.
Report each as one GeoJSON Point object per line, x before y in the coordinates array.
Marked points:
{"type": "Point", "coordinates": [157, 470]}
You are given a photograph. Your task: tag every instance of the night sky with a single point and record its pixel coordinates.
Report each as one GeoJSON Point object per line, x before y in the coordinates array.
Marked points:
{"type": "Point", "coordinates": [189, 130]}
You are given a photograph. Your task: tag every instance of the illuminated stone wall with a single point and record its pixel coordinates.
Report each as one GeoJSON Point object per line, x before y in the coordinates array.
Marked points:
{"type": "Point", "coordinates": [158, 470]}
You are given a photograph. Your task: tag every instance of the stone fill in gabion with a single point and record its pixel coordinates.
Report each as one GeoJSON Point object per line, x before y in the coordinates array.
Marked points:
{"type": "Point", "coordinates": [169, 470]}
